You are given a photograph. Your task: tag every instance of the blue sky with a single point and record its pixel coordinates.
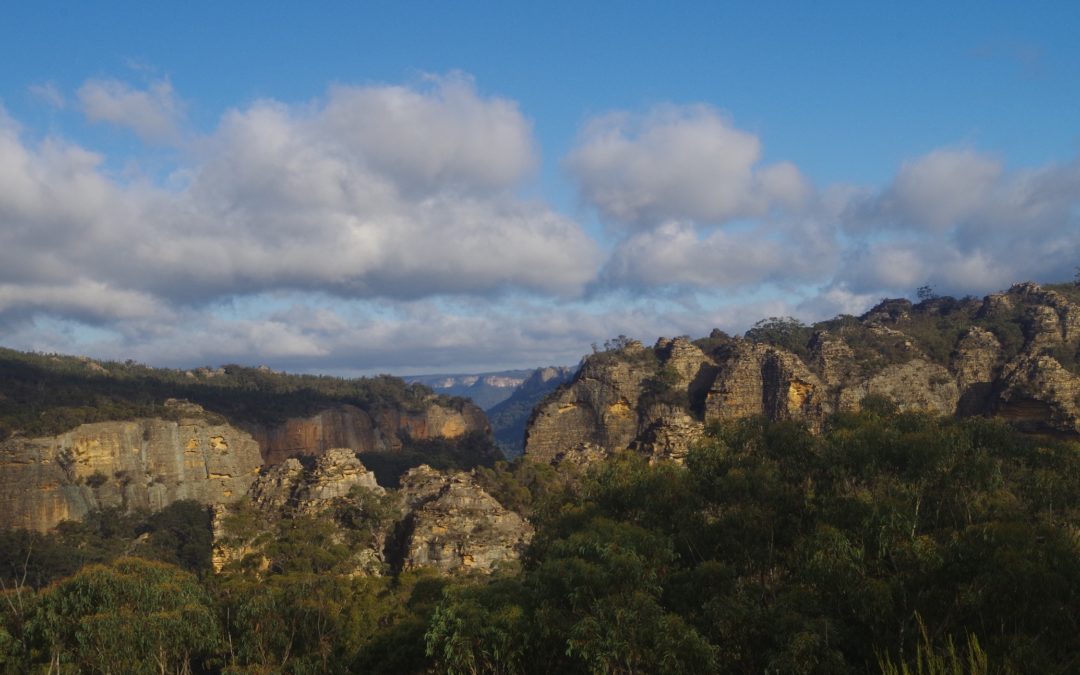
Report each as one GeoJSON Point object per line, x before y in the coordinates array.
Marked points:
{"type": "Point", "coordinates": [408, 187]}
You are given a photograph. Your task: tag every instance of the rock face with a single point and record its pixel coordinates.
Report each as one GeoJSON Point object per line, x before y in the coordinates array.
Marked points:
{"type": "Point", "coordinates": [289, 490]}
{"type": "Point", "coordinates": [442, 521]}
{"type": "Point", "coordinates": [761, 380]}
{"type": "Point", "coordinates": [618, 395]}
{"type": "Point", "coordinates": [351, 427]}
{"type": "Point", "coordinates": [1040, 395]}
{"type": "Point", "coordinates": [150, 463]}
{"type": "Point", "coordinates": [598, 407]}
{"type": "Point", "coordinates": [145, 463]}
{"type": "Point", "coordinates": [1015, 355]}
{"type": "Point", "coordinates": [455, 526]}
{"type": "Point", "coordinates": [508, 418]}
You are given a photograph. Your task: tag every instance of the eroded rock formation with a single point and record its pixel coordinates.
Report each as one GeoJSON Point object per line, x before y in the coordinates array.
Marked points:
{"type": "Point", "coordinates": [453, 525]}
{"type": "Point", "coordinates": [1015, 355]}
{"type": "Point", "coordinates": [444, 521]}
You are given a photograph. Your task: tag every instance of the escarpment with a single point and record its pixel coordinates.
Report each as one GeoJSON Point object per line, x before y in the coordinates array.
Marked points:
{"type": "Point", "coordinates": [1013, 355]}
{"type": "Point", "coordinates": [137, 464]}
{"type": "Point", "coordinates": [78, 435]}
{"type": "Point", "coordinates": [347, 426]}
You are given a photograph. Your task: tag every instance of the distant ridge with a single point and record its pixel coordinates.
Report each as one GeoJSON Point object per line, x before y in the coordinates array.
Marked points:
{"type": "Point", "coordinates": [484, 389]}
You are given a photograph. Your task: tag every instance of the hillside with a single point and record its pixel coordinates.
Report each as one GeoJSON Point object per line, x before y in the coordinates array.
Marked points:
{"type": "Point", "coordinates": [43, 394]}
{"type": "Point", "coordinates": [866, 494]}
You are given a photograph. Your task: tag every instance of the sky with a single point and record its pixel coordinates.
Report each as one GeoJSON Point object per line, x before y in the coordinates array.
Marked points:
{"type": "Point", "coordinates": [419, 187]}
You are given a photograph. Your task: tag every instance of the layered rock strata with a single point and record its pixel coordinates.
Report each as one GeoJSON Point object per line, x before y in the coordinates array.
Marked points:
{"type": "Point", "coordinates": [347, 426]}
{"type": "Point", "coordinates": [140, 464]}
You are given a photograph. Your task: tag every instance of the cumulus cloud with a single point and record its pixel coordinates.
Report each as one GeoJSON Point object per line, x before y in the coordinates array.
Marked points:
{"type": "Point", "coordinates": [442, 137]}
{"type": "Point", "coordinates": [678, 163]}
{"type": "Point", "coordinates": [679, 254]}
{"type": "Point", "coordinates": [86, 300]}
{"type": "Point", "coordinates": [154, 113]}
{"type": "Point", "coordinates": [958, 219]}
{"type": "Point", "coordinates": [392, 217]}
{"type": "Point", "coordinates": [694, 206]}
{"type": "Point", "coordinates": [298, 197]}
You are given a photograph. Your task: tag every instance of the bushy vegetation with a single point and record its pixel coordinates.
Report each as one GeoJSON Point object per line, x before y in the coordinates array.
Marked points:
{"type": "Point", "coordinates": [462, 453]}
{"type": "Point", "coordinates": [49, 394]}
{"type": "Point", "coordinates": [786, 332]}
{"type": "Point", "coordinates": [890, 543]}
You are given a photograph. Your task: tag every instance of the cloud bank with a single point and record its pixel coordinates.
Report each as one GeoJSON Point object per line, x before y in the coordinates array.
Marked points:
{"type": "Point", "coordinates": [384, 227]}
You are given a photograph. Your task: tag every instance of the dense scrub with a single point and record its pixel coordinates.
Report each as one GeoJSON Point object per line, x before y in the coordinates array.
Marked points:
{"type": "Point", "coordinates": [48, 394]}
{"type": "Point", "coordinates": [887, 540]}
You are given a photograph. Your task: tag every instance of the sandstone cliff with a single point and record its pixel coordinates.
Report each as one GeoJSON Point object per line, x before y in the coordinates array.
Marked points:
{"type": "Point", "coordinates": [150, 463]}
{"type": "Point", "coordinates": [508, 418]}
{"type": "Point", "coordinates": [333, 488]}
{"type": "Point", "coordinates": [143, 463]}
{"type": "Point", "coordinates": [347, 426]}
{"type": "Point", "coordinates": [1015, 355]}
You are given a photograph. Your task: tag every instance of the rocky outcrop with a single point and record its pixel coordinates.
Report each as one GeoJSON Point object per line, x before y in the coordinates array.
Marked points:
{"type": "Point", "coordinates": [598, 407]}
{"type": "Point", "coordinates": [758, 380]}
{"type": "Point", "coordinates": [977, 364]}
{"type": "Point", "coordinates": [634, 396]}
{"type": "Point", "coordinates": [1040, 395]}
{"type": "Point", "coordinates": [455, 526]}
{"type": "Point", "coordinates": [139, 464]}
{"type": "Point", "coordinates": [1015, 355]}
{"type": "Point", "coordinates": [670, 437]}
{"type": "Point", "coordinates": [348, 426]}
{"type": "Point", "coordinates": [916, 385]}
{"type": "Point", "coordinates": [437, 520]}
{"type": "Point", "coordinates": [290, 490]}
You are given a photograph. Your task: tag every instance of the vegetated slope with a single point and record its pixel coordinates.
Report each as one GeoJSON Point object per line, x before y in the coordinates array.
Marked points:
{"type": "Point", "coordinates": [508, 418]}
{"type": "Point", "coordinates": [886, 538]}
{"type": "Point", "coordinates": [1014, 355]}
{"type": "Point", "coordinates": [46, 394]}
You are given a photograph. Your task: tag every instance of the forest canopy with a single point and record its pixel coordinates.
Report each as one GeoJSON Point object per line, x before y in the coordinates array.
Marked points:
{"type": "Point", "coordinates": [890, 539]}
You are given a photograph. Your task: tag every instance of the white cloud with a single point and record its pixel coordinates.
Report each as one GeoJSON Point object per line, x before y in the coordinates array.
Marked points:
{"type": "Point", "coordinates": [86, 300]}
{"type": "Point", "coordinates": [678, 163]}
{"type": "Point", "coordinates": [445, 136]}
{"type": "Point", "coordinates": [392, 218]}
{"type": "Point", "coordinates": [281, 197]}
{"type": "Point", "coordinates": [959, 220]}
{"type": "Point", "coordinates": [674, 254]}
{"type": "Point", "coordinates": [154, 113]}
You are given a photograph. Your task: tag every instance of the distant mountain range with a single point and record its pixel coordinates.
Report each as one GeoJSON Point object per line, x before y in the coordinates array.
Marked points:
{"type": "Point", "coordinates": [508, 397]}
{"type": "Point", "coordinates": [484, 389]}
